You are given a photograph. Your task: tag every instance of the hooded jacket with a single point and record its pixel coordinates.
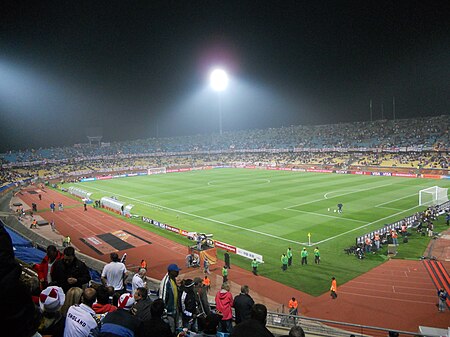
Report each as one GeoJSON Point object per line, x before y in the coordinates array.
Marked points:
{"type": "Point", "coordinates": [224, 302]}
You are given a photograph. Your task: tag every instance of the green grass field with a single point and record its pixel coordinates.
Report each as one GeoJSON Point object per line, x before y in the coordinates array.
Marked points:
{"type": "Point", "coordinates": [268, 211]}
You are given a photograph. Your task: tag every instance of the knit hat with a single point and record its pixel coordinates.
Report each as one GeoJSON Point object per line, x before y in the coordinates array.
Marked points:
{"type": "Point", "coordinates": [126, 301]}
{"type": "Point", "coordinates": [51, 299]}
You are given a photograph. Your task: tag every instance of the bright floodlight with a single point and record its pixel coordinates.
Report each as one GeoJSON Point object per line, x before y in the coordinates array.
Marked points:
{"type": "Point", "coordinates": [219, 80]}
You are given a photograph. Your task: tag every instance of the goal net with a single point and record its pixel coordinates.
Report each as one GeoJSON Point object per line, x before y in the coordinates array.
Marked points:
{"type": "Point", "coordinates": [156, 170]}
{"type": "Point", "coordinates": [433, 196]}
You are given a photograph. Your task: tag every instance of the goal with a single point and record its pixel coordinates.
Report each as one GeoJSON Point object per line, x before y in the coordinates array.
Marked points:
{"type": "Point", "coordinates": [156, 170]}
{"type": "Point", "coordinates": [433, 196]}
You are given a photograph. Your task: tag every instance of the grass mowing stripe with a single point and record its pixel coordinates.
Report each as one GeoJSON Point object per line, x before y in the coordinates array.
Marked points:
{"type": "Point", "coordinates": [201, 217]}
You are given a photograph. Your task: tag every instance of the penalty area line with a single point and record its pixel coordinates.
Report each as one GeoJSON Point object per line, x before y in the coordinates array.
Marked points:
{"type": "Point", "coordinates": [366, 225]}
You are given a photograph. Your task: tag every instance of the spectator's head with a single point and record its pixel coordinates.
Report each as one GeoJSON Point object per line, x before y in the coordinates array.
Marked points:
{"type": "Point", "coordinates": [197, 281]}
{"type": "Point", "coordinates": [69, 255]}
{"type": "Point", "coordinates": [225, 286]}
{"type": "Point", "coordinates": [188, 284]}
{"type": "Point", "coordinates": [89, 296]}
{"type": "Point", "coordinates": [102, 295]}
{"type": "Point", "coordinates": [110, 290]}
{"type": "Point", "coordinates": [173, 270]}
{"type": "Point", "coordinates": [52, 252]}
{"type": "Point", "coordinates": [126, 301]}
{"type": "Point", "coordinates": [157, 308]}
{"type": "Point", "coordinates": [51, 299]}
{"type": "Point", "coordinates": [114, 257]}
{"type": "Point", "coordinates": [245, 289]}
{"type": "Point", "coordinates": [141, 293]}
{"type": "Point", "coordinates": [142, 272]}
{"type": "Point", "coordinates": [259, 313]}
{"type": "Point", "coordinates": [73, 296]}
{"type": "Point", "coordinates": [296, 331]}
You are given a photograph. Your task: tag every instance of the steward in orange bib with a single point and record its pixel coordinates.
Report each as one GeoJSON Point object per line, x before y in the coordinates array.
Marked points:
{"type": "Point", "coordinates": [333, 288]}
{"type": "Point", "coordinates": [293, 306]}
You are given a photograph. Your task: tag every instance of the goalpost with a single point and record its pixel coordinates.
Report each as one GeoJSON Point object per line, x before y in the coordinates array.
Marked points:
{"type": "Point", "coordinates": [156, 170]}
{"type": "Point", "coordinates": [433, 196]}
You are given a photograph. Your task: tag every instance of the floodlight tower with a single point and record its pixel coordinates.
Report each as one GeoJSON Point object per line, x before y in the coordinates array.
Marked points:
{"type": "Point", "coordinates": [219, 82]}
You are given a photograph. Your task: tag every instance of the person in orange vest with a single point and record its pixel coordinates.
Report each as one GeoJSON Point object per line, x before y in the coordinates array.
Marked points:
{"type": "Point", "coordinates": [293, 306]}
{"type": "Point", "coordinates": [207, 283]}
{"type": "Point", "coordinates": [333, 288]}
{"type": "Point", "coordinates": [33, 224]}
{"type": "Point", "coordinates": [143, 264]}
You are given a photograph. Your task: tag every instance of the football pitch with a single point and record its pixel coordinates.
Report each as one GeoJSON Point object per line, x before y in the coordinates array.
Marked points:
{"type": "Point", "coordinates": [266, 212]}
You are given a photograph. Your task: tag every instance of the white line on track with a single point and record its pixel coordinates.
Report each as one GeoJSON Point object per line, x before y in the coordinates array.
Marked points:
{"type": "Point", "coordinates": [199, 217]}
{"type": "Point", "coordinates": [386, 298]}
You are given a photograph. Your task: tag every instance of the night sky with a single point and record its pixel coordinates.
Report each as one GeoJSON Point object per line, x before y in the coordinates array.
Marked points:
{"type": "Point", "coordinates": [139, 69]}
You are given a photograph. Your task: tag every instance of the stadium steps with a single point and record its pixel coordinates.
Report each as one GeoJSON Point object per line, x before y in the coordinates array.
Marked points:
{"type": "Point", "coordinates": [439, 275]}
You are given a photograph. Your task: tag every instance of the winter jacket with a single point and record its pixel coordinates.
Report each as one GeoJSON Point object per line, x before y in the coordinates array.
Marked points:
{"type": "Point", "coordinates": [224, 302]}
{"type": "Point", "coordinates": [62, 271]}
{"type": "Point", "coordinates": [243, 307]}
{"type": "Point", "coordinates": [141, 309]}
{"type": "Point", "coordinates": [42, 268]}
{"type": "Point", "coordinates": [167, 294]}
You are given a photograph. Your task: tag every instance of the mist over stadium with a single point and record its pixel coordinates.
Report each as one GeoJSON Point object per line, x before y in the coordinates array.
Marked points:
{"type": "Point", "coordinates": [145, 73]}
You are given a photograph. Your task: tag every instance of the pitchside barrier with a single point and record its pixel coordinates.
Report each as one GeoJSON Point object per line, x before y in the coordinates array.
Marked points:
{"type": "Point", "coordinates": [411, 221]}
{"type": "Point", "coordinates": [222, 245]}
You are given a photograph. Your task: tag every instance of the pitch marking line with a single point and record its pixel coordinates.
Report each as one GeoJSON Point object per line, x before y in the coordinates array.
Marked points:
{"type": "Point", "coordinates": [363, 226]}
{"type": "Point", "coordinates": [394, 209]}
{"type": "Point", "coordinates": [200, 217]}
{"type": "Point", "coordinates": [339, 195]}
{"type": "Point", "coordinates": [215, 183]}
{"type": "Point", "coordinates": [388, 202]}
{"type": "Point", "coordinates": [252, 230]}
{"type": "Point", "coordinates": [326, 215]}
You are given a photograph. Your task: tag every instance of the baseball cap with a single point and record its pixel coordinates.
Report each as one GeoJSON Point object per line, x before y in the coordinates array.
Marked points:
{"type": "Point", "coordinates": [126, 301]}
{"type": "Point", "coordinates": [51, 299]}
{"type": "Point", "coordinates": [173, 267]}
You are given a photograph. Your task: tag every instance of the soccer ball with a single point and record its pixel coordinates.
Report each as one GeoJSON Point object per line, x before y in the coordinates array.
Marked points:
{"type": "Point", "coordinates": [328, 209]}
{"type": "Point", "coordinates": [334, 211]}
